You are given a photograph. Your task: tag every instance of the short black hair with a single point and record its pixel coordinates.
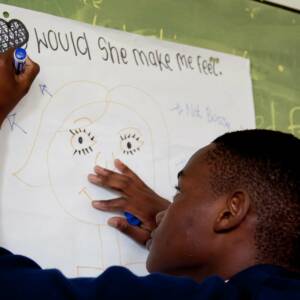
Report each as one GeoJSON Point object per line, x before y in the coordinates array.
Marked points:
{"type": "Point", "coordinates": [267, 164]}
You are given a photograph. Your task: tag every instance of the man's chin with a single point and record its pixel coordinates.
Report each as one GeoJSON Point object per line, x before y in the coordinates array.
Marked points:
{"type": "Point", "coordinates": [149, 263]}
{"type": "Point", "coordinates": [153, 261]}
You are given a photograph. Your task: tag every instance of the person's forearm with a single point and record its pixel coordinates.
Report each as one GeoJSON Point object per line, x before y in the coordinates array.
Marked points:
{"type": "Point", "coordinates": [13, 88]}
{"type": "Point", "coordinates": [2, 118]}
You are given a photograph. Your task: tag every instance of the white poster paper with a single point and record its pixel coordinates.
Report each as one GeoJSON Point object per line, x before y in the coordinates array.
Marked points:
{"type": "Point", "coordinates": [104, 94]}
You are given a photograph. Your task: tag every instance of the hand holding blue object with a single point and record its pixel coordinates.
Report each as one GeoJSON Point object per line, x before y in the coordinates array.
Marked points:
{"type": "Point", "coordinates": [131, 219]}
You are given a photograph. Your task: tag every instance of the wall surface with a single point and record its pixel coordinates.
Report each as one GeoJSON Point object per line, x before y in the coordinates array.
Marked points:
{"type": "Point", "coordinates": [269, 36]}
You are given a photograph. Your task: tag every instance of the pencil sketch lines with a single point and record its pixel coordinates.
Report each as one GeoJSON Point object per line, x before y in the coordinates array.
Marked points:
{"type": "Point", "coordinates": [11, 118]}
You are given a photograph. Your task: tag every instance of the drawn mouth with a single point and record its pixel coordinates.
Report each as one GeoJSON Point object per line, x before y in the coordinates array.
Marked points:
{"type": "Point", "coordinates": [84, 192]}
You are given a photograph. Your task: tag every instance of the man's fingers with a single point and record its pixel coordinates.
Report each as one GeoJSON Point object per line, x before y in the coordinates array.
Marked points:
{"type": "Point", "coordinates": [138, 234]}
{"type": "Point", "coordinates": [8, 55]}
{"type": "Point", "coordinates": [31, 69]}
{"type": "Point", "coordinates": [124, 169]}
{"type": "Point", "coordinates": [109, 179]}
{"type": "Point", "coordinates": [30, 72]}
{"type": "Point", "coordinates": [7, 60]}
{"type": "Point", "coordinates": [114, 205]}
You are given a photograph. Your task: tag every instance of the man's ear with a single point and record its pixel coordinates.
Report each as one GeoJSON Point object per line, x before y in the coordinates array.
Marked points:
{"type": "Point", "coordinates": [236, 208]}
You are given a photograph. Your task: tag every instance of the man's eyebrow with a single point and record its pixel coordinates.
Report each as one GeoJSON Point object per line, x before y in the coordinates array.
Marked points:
{"type": "Point", "coordinates": [180, 174]}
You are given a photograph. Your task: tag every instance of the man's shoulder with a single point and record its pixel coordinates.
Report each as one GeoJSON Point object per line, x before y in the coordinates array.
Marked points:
{"type": "Point", "coordinates": [162, 286]}
{"type": "Point", "coordinates": [267, 282]}
{"type": "Point", "coordinates": [20, 274]}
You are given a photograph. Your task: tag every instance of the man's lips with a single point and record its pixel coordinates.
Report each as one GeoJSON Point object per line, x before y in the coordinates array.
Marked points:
{"type": "Point", "coordinates": [149, 242]}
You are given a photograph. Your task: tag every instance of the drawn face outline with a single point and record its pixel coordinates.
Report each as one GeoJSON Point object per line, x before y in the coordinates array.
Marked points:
{"type": "Point", "coordinates": [70, 94]}
{"type": "Point", "coordinates": [124, 135]}
{"type": "Point", "coordinates": [67, 99]}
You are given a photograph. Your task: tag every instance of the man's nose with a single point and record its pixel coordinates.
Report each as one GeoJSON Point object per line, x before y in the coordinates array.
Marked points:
{"type": "Point", "coordinates": [159, 217]}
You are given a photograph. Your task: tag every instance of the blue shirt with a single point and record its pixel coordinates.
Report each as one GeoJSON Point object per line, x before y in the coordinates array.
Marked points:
{"type": "Point", "coordinates": [22, 278]}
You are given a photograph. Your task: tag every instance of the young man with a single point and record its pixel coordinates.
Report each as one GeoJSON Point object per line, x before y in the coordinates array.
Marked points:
{"type": "Point", "coordinates": [232, 231]}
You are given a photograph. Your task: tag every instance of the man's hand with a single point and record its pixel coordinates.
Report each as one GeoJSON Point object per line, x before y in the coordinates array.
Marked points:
{"type": "Point", "coordinates": [136, 198]}
{"type": "Point", "coordinates": [14, 87]}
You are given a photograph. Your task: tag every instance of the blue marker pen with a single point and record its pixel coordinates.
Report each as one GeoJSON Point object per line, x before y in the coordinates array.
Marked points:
{"type": "Point", "coordinates": [19, 60]}
{"type": "Point", "coordinates": [131, 219]}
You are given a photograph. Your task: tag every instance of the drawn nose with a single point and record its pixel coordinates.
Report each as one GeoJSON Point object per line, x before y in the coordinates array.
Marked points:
{"type": "Point", "coordinates": [97, 159]}
{"type": "Point", "coordinates": [105, 161]}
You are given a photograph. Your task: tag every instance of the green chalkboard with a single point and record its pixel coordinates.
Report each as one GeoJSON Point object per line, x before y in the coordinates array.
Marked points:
{"type": "Point", "coordinates": [269, 36]}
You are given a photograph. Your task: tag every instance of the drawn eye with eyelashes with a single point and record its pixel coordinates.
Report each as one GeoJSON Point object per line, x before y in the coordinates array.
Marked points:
{"type": "Point", "coordinates": [82, 141]}
{"type": "Point", "coordinates": [131, 141]}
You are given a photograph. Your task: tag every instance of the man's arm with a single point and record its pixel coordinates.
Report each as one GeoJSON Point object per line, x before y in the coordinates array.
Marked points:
{"type": "Point", "coordinates": [14, 87]}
